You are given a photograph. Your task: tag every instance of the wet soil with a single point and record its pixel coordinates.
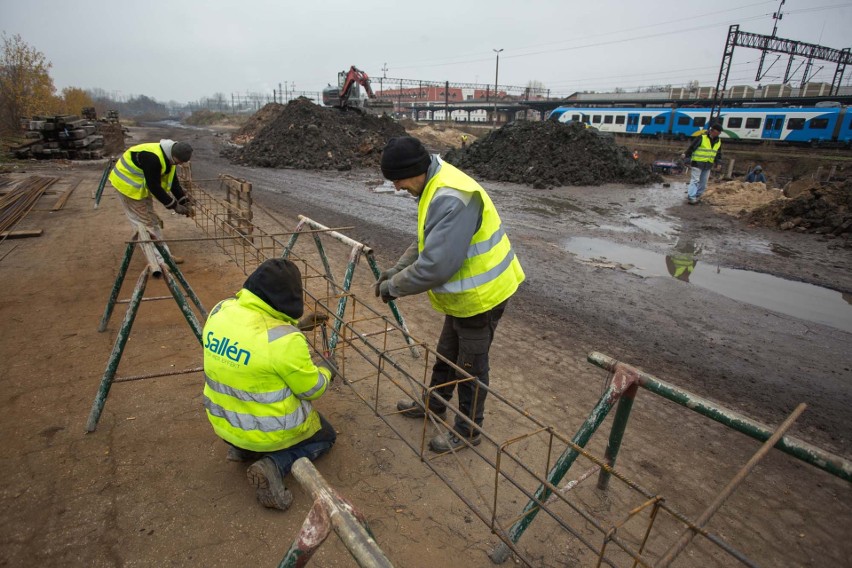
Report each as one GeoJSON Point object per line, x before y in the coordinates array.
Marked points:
{"type": "Point", "coordinates": [152, 486]}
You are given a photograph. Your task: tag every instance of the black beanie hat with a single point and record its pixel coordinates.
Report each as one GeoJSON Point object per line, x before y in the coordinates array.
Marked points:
{"type": "Point", "coordinates": [182, 151]}
{"type": "Point", "coordinates": [278, 282]}
{"type": "Point", "coordinates": [404, 157]}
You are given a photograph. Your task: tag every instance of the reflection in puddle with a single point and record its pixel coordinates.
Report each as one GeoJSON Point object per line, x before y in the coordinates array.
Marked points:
{"type": "Point", "coordinates": [797, 299]}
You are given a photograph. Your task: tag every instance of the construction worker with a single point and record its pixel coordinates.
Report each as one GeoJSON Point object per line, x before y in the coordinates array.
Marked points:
{"type": "Point", "coordinates": [149, 169]}
{"type": "Point", "coordinates": [259, 379]}
{"type": "Point", "coordinates": [464, 261]}
{"type": "Point", "coordinates": [705, 153]}
{"type": "Point", "coordinates": [635, 155]}
{"type": "Point", "coordinates": [756, 175]}
{"type": "Point", "coordinates": [463, 140]}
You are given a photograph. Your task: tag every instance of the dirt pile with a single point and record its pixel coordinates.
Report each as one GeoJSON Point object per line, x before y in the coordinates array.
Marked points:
{"type": "Point", "coordinates": [309, 137]}
{"type": "Point", "coordinates": [549, 154]}
{"type": "Point", "coordinates": [256, 122]}
{"type": "Point", "coordinates": [438, 138]}
{"type": "Point", "coordinates": [824, 209]}
{"type": "Point", "coordinates": [739, 198]}
{"type": "Point", "coordinates": [114, 134]}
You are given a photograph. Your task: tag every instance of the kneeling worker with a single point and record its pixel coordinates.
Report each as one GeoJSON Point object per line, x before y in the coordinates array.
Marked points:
{"type": "Point", "coordinates": [259, 379]}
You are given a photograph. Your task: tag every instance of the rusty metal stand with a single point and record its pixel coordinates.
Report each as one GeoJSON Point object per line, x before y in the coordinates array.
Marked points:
{"type": "Point", "coordinates": [169, 272]}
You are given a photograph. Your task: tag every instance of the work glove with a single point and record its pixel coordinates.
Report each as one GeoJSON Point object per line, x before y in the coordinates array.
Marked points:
{"type": "Point", "coordinates": [331, 365]}
{"type": "Point", "coordinates": [384, 291]}
{"type": "Point", "coordinates": [181, 209]}
{"type": "Point", "coordinates": [310, 320]}
{"type": "Point", "coordinates": [385, 275]}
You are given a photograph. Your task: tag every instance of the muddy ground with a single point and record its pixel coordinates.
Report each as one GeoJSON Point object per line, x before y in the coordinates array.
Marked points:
{"type": "Point", "coordinates": [151, 486]}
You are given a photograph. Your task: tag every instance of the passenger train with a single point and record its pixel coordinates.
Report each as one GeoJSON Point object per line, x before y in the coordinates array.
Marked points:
{"type": "Point", "coordinates": [795, 125]}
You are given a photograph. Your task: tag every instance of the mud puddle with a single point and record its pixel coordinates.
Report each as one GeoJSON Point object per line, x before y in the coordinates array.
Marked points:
{"type": "Point", "coordinates": [797, 299]}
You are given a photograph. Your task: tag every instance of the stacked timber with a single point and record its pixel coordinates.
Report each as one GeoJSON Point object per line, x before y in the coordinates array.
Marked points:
{"type": "Point", "coordinates": [62, 136]}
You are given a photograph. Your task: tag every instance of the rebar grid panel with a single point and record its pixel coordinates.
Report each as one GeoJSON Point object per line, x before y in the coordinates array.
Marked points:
{"type": "Point", "coordinates": [510, 467]}
{"type": "Point", "coordinates": [374, 363]}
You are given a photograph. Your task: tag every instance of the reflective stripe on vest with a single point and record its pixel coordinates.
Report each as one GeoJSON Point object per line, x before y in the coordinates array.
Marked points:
{"type": "Point", "coordinates": [706, 151]}
{"type": "Point", "coordinates": [490, 273]}
{"type": "Point", "coordinates": [129, 179]}
{"type": "Point", "coordinates": [259, 377]}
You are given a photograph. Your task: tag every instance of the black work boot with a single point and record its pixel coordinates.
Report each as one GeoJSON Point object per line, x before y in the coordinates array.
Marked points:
{"type": "Point", "coordinates": [263, 475]}
{"type": "Point", "coordinates": [414, 409]}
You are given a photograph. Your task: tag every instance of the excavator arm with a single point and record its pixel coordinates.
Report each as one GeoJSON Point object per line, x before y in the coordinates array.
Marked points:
{"type": "Point", "coordinates": [354, 75]}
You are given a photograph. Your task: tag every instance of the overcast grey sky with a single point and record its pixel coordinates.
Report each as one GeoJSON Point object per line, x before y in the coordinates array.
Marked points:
{"type": "Point", "coordinates": [184, 50]}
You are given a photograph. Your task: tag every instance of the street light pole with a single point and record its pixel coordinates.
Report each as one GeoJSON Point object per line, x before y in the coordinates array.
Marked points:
{"type": "Point", "coordinates": [496, 75]}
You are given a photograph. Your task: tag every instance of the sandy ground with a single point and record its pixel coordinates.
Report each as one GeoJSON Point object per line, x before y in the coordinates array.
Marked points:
{"type": "Point", "coordinates": [151, 486]}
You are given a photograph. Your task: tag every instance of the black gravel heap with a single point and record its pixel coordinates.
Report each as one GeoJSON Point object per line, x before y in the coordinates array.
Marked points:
{"type": "Point", "coordinates": [550, 154]}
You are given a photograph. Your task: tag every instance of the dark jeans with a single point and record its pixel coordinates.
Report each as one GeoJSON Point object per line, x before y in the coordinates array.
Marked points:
{"type": "Point", "coordinates": [314, 447]}
{"type": "Point", "coordinates": [467, 342]}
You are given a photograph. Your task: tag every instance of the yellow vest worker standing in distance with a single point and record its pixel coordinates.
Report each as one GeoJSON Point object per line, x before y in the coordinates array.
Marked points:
{"type": "Point", "coordinates": [260, 379]}
{"type": "Point", "coordinates": [149, 169]}
{"type": "Point", "coordinates": [463, 259]}
{"type": "Point", "coordinates": [704, 152]}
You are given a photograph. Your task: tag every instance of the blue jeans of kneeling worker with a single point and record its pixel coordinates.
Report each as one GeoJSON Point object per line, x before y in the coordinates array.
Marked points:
{"type": "Point", "coordinates": [465, 341]}
{"type": "Point", "coordinates": [697, 182]}
{"type": "Point", "coordinates": [313, 448]}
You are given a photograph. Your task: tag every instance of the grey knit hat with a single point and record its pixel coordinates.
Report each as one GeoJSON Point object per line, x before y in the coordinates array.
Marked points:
{"type": "Point", "coordinates": [182, 151]}
{"type": "Point", "coordinates": [404, 157]}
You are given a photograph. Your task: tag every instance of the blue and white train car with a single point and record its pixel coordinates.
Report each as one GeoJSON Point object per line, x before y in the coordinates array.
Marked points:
{"type": "Point", "coordinates": [794, 125]}
{"type": "Point", "coordinates": [642, 121]}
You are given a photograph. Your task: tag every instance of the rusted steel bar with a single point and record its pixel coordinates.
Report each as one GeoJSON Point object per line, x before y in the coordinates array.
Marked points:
{"type": "Point", "coordinates": [117, 350]}
{"type": "Point", "coordinates": [345, 520]}
{"type": "Point", "coordinates": [800, 449]}
{"type": "Point", "coordinates": [240, 237]}
{"type": "Point", "coordinates": [60, 203]}
{"type": "Point", "coordinates": [689, 534]}
{"type": "Point", "coordinates": [157, 375]}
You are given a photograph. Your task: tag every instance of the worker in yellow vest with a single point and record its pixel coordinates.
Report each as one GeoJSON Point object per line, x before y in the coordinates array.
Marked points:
{"type": "Point", "coordinates": [705, 152]}
{"type": "Point", "coordinates": [464, 261]}
{"type": "Point", "coordinates": [260, 379]}
{"type": "Point", "coordinates": [149, 169]}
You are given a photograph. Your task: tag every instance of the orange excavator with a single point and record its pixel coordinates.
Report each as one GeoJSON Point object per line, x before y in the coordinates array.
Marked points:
{"type": "Point", "coordinates": [342, 97]}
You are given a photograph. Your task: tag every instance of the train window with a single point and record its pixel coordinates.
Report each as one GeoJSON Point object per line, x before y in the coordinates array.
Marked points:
{"type": "Point", "coordinates": [795, 124]}
{"type": "Point", "coordinates": [596, 118]}
{"type": "Point", "coordinates": [619, 119]}
{"type": "Point", "coordinates": [661, 119]}
{"type": "Point", "coordinates": [575, 117]}
{"type": "Point", "coordinates": [683, 120]}
{"type": "Point", "coordinates": [753, 122]}
{"type": "Point", "coordinates": [735, 122]}
{"type": "Point", "coordinates": [819, 123]}
{"type": "Point", "coordinates": [699, 121]}
{"type": "Point", "coordinates": [608, 119]}
{"type": "Point", "coordinates": [646, 120]}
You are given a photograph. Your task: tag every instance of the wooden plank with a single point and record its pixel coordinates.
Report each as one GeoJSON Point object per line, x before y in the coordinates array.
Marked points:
{"type": "Point", "coordinates": [21, 234]}
{"type": "Point", "coordinates": [60, 203]}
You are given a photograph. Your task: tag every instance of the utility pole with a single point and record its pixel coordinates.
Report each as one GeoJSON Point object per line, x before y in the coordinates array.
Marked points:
{"type": "Point", "coordinates": [496, 75]}
{"type": "Point", "coordinates": [777, 17]}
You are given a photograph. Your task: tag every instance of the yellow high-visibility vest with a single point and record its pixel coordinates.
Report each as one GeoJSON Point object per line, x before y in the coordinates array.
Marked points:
{"type": "Point", "coordinates": [129, 179]}
{"type": "Point", "coordinates": [491, 272]}
{"type": "Point", "coordinates": [259, 377]}
{"type": "Point", "coordinates": [706, 151]}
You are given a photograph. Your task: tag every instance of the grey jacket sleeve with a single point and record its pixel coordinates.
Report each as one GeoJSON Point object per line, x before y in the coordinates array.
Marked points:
{"type": "Point", "coordinates": [451, 221]}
